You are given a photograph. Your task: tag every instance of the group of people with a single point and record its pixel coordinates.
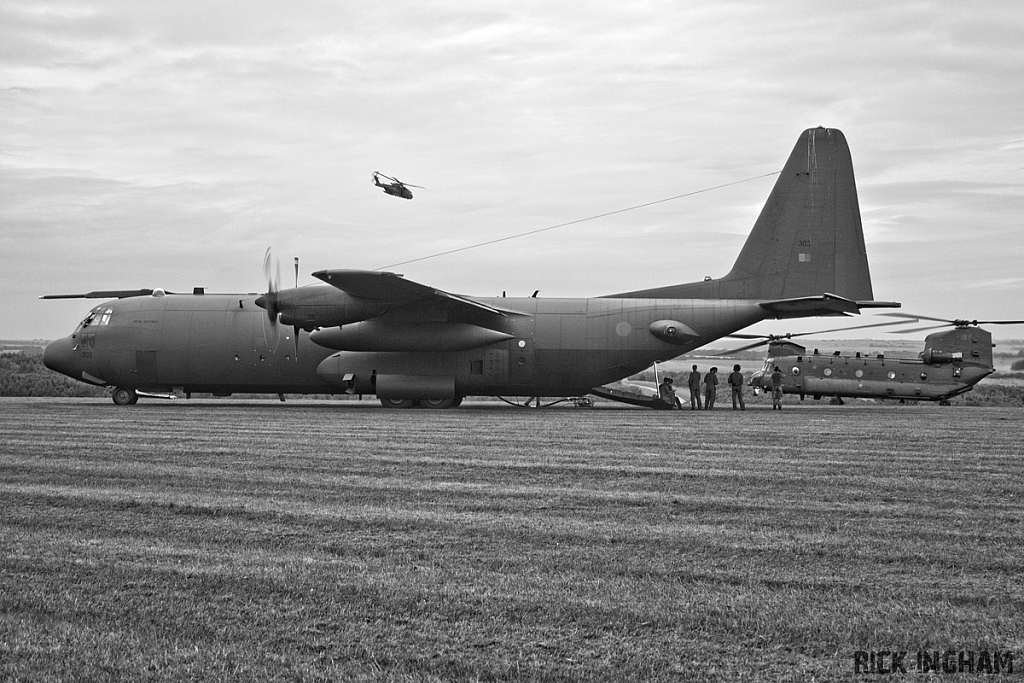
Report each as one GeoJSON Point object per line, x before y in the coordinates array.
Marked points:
{"type": "Point", "coordinates": [667, 393]}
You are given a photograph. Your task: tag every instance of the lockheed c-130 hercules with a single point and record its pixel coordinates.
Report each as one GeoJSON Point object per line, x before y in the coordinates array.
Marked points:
{"type": "Point", "coordinates": [952, 362]}
{"type": "Point", "coordinates": [376, 333]}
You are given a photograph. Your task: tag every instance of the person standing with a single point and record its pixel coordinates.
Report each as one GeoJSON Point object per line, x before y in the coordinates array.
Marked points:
{"type": "Point", "coordinates": [777, 389]}
{"type": "Point", "coordinates": [694, 383]}
{"type": "Point", "coordinates": [667, 394]}
{"type": "Point", "coordinates": [710, 388]}
{"type": "Point", "coordinates": [736, 383]}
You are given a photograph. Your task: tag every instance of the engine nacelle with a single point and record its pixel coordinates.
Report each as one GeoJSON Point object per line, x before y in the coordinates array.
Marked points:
{"type": "Point", "coordinates": [934, 357]}
{"type": "Point", "coordinates": [319, 306]}
{"type": "Point", "coordinates": [392, 335]}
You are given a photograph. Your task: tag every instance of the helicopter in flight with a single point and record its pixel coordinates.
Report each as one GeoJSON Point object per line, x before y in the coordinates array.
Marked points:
{"type": "Point", "coordinates": [396, 187]}
{"type": "Point", "coordinates": [952, 362]}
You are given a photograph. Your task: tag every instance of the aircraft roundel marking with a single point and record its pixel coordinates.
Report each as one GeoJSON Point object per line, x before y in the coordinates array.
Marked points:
{"type": "Point", "coordinates": [623, 329]}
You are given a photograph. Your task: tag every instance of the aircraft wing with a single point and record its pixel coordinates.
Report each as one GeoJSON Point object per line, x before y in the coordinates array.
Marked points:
{"type": "Point", "coordinates": [825, 304]}
{"type": "Point", "coordinates": [104, 294]}
{"type": "Point", "coordinates": [394, 289]}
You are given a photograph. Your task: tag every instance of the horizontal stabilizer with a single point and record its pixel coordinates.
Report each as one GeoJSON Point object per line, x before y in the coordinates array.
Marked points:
{"type": "Point", "coordinates": [798, 307]}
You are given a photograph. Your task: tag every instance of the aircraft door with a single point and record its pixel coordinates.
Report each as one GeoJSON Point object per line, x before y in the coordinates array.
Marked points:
{"type": "Point", "coordinates": [522, 361]}
{"type": "Point", "coordinates": [145, 368]}
{"type": "Point", "coordinates": [522, 351]}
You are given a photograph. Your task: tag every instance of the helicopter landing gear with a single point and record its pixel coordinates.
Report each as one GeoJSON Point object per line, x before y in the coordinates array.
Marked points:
{"type": "Point", "coordinates": [124, 397]}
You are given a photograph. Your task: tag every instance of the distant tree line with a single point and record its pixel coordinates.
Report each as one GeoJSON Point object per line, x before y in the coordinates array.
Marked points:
{"type": "Point", "coordinates": [22, 375]}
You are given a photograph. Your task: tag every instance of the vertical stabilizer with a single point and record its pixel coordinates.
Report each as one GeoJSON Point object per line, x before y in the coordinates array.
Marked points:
{"type": "Point", "coordinates": [808, 239]}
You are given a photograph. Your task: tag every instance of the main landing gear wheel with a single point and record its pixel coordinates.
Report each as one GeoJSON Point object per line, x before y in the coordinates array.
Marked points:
{"type": "Point", "coordinates": [397, 402]}
{"type": "Point", "coordinates": [124, 397]}
{"type": "Point", "coordinates": [437, 403]}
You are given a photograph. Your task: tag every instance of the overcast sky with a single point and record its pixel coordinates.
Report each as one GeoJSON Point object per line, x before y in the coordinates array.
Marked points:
{"type": "Point", "coordinates": [150, 144]}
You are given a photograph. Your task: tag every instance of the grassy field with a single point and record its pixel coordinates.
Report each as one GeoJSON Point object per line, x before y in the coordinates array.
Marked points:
{"type": "Point", "coordinates": [322, 541]}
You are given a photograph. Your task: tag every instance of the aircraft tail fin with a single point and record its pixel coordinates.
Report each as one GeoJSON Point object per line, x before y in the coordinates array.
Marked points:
{"type": "Point", "coordinates": [808, 239]}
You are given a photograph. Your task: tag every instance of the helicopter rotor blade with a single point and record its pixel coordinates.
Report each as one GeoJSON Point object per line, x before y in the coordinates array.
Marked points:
{"type": "Point", "coordinates": [915, 318]}
{"type": "Point", "coordinates": [956, 322]}
{"type": "Point", "coordinates": [922, 329]}
{"type": "Point", "coordinates": [763, 342]}
{"type": "Point", "coordinates": [779, 337]}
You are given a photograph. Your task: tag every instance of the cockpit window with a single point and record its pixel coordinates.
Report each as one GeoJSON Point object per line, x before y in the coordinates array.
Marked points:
{"type": "Point", "coordinates": [98, 317]}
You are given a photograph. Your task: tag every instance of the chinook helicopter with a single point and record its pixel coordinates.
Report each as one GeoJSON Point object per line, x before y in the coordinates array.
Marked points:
{"type": "Point", "coordinates": [396, 187]}
{"type": "Point", "coordinates": [952, 362]}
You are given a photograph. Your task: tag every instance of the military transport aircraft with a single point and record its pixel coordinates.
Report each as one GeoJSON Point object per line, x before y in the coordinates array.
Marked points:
{"type": "Point", "coordinates": [371, 332]}
{"type": "Point", "coordinates": [396, 187]}
{"type": "Point", "coordinates": [951, 363]}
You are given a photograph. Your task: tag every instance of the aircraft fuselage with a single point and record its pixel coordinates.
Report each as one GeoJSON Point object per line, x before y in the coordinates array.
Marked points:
{"type": "Point", "coordinates": [226, 344]}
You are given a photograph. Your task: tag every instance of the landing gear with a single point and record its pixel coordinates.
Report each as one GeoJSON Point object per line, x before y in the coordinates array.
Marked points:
{"type": "Point", "coordinates": [124, 397]}
{"type": "Point", "coordinates": [430, 403]}
{"type": "Point", "coordinates": [943, 402]}
{"type": "Point", "coordinates": [397, 402]}
{"type": "Point", "coordinates": [436, 403]}
{"type": "Point", "coordinates": [837, 401]}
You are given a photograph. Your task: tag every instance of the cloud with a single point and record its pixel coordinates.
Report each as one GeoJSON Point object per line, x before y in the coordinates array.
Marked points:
{"type": "Point", "coordinates": [170, 144]}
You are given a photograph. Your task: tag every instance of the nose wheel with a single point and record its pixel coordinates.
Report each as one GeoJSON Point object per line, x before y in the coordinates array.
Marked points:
{"type": "Point", "coordinates": [124, 397]}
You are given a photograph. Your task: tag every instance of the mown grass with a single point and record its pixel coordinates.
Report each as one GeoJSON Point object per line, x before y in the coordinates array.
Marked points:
{"type": "Point", "coordinates": [223, 541]}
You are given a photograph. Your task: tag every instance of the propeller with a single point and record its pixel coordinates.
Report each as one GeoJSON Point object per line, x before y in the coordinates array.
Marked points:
{"type": "Point", "coordinates": [957, 322]}
{"type": "Point", "coordinates": [271, 300]}
{"type": "Point", "coordinates": [272, 274]}
{"type": "Point", "coordinates": [766, 339]}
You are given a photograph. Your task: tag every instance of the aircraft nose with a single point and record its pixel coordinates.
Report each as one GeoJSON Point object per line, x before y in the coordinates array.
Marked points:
{"type": "Point", "coordinates": [59, 356]}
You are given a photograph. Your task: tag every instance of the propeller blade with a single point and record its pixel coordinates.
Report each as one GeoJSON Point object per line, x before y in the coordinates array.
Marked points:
{"type": "Point", "coordinates": [272, 275]}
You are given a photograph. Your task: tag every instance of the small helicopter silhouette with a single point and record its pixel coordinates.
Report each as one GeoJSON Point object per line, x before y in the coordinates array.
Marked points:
{"type": "Point", "coordinates": [396, 187]}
